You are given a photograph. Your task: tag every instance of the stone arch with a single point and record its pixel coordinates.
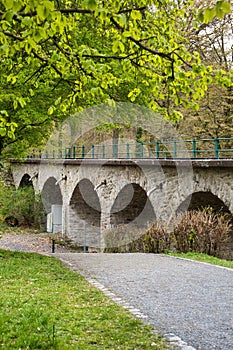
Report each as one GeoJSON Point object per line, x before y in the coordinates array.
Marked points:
{"type": "Point", "coordinates": [85, 215]}
{"type": "Point", "coordinates": [203, 199]}
{"type": "Point", "coordinates": [25, 181]}
{"type": "Point", "coordinates": [132, 206]}
{"type": "Point", "coordinates": [51, 194]}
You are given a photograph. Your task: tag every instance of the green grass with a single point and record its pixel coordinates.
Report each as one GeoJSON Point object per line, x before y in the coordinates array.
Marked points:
{"type": "Point", "coordinates": [205, 258]}
{"type": "Point", "coordinates": [45, 305]}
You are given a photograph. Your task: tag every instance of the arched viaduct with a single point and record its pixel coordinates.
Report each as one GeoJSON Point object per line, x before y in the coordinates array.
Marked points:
{"type": "Point", "coordinates": [95, 195]}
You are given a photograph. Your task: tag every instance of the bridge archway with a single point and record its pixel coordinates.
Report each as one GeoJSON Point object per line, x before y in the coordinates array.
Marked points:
{"type": "Point", "coordinates": [85, 214]}
{"type": "Point", "coordinates": [51, 194]}
{"type": "Point", "coordinates": [132, 206]}
{"type": "Point", "coordinates": [26, 181]}
{"type": "Point", "coordinates": [202, 199]}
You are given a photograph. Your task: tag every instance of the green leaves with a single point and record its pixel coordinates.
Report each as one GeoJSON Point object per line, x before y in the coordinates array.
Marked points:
{"type": "Point", "coordinates": [133, 94]}
{"type": "Point", "coordinates": [44, 9]}
{"type": "Point", "coordinates": [117, 46]}
{"type": "Point", "coordinates": [14, 5]}
{"type": "Point", "coordinates": [136, 15]}
{"type": "Point", "coordinates": [96, 52]}
{"type": "Point", "coordinates": [6, 128]}
{"type": "Point", "coordinates": [90, 4]}
{"type": "Point", "coordinates": [219, 10]}
{"type": "Point", "coordinates": [50, 110]}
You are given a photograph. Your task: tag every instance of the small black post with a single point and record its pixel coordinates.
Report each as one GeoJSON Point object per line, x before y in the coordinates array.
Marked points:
{"type": "Point", "coordinates": [53, 245]}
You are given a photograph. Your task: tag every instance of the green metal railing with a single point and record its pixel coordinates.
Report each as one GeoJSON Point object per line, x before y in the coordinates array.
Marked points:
{"type": "Point", "coordinates": [217, 148]}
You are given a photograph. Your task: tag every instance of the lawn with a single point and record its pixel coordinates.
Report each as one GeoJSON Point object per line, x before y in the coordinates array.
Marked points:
{"type": "Point", "coordinates": [45, 305]}
{"type": "Point", "coordinates": [205, 258]}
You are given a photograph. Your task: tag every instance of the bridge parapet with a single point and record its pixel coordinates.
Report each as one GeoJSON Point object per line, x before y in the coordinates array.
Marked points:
{"type": "Point", "coordinates": [190, 163]}
{"type": "Point", "coordinates": [216, 148]}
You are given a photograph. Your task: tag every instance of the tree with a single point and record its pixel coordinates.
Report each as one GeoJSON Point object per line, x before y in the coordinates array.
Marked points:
{"type": "Point", "coordinates": [81, 53]}
{"type": "Point", "coordinates": [213, 41]}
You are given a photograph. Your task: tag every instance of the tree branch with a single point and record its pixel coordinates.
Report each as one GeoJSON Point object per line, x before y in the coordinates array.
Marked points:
{"type": "Point", "coordinates": [35, 73]}
{"type": "Point", "coordinates": [143, 8]}
{"type": "Point", "coordinates": [114, 57]}
{"type": "Point", "coordinates": [141, 45]}
{"type": "Point", "coordinates": [11, 35]}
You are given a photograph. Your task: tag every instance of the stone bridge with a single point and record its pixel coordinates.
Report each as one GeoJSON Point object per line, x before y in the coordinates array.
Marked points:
{"type": "Point", "coordinates": [93, 195]}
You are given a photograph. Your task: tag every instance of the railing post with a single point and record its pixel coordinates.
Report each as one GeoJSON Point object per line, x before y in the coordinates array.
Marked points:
{"type": "Point", "coordinates": [54, 154]}
{"type": "Point", "coordinates": [127, 151]}
{"type": "Point", "coordinates": [115, 150]}
{"type": "Point", "coordinates": [98, 152]}
{"type": "Point", "coordinates": [141, 150]}
{"type": "Point", "coordinates": [83, 151]}
{"type": "Point", "coordinates": [194, 143]}
{"type": "Point", "coordinates": [216, 147]}
{"type": "Point", "coordinates": [67, 153]}
{"type": "Point", "coordinates": [103, 151]}
{"type": "Point", "coordinates": [157, 149]}
{"type": "Point", "coordinates": [93, 151]}
{"type": "Point", "coordinates": [174, 149]}
{"type": "Point", "coordinates": [74, 152]}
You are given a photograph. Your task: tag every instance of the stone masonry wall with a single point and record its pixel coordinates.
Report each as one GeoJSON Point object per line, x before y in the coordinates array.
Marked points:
{"type": "Point", "coordinates": [165, 184]}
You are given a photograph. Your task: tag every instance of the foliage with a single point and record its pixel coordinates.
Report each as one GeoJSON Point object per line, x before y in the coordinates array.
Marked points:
{"type": "Point", "coordinates": [45, 305]}
{"type": "Point", "coordinates": [20, 206]}
{"type": "Point", "coordinates": [201, 231]}
{"type": "Point", "coordinates": [218, 10]}
{"type": "Point", "coordinates": [87, 52]}
{"type": "Point", "coordinates": [31, 125]}
{"type": "Point", "coordinates": [119, 240]}
{"type": "Point", "coordinates": [213, 41]}
{"type": "Point", "coordinates": [155, 240]}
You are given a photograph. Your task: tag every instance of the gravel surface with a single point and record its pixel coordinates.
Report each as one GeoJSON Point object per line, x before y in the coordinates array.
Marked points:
{"type": "Point", "coordinates": [189, 299]}
{"type": "Point", "coordinates": [31, 242]}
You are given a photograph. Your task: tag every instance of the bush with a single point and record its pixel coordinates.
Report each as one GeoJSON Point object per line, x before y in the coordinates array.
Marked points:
{"type": "Point", "coordinates": [156, 239]}
{"type": "Point", "coordinates": [122, 239]}
{"type": "Point", "coordinates": [118, 239]}
{"type": "Point", "coordinates": [202, 231]}
{"type": "Point", "coordinates": [20, 206]}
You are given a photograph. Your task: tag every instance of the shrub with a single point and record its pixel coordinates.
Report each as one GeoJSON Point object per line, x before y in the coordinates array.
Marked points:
{"type": "Point", "coordinates": [122, 239]}
{"type": "Point", "coordinates": [20, 206]}
{"type": "Point", "coordinates": [156, 239]}
{"type": "Point", "coordinates": [118, 239]}
{"type": "Point", "coordinates": [202, 231]}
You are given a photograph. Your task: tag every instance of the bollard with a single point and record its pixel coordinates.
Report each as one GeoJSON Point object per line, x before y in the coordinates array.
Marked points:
{"type": "Point", "coordinates": [53, 245]}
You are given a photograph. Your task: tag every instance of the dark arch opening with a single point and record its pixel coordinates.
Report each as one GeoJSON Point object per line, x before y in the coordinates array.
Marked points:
{"type": "Point", "coordinates": [86, 202]}
{"type": "Point", "coordinates": [25, 181]}
{"type": "Point", "coordinates": [132, 206]}
{"type": "Point", "coordinates": [51, 194]}
{"type": "Point", "coordinates": [85, 215]}
{"type": "Point", "coordinates": [201, 200]}
{"type": "Point", "coordinates": [22, 204]}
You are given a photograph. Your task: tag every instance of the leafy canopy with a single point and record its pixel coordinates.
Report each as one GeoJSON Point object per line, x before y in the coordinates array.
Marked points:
{"type": "Point", "coordinates": [81, 53]}
{"type": "Point", "coordinates": [219, 10]}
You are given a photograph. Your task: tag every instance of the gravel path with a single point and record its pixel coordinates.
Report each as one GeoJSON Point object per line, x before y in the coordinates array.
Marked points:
{"type": "Point", "coordinates": [30, 242]}
{"type": "Point", "coordinates": [189, 299]}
